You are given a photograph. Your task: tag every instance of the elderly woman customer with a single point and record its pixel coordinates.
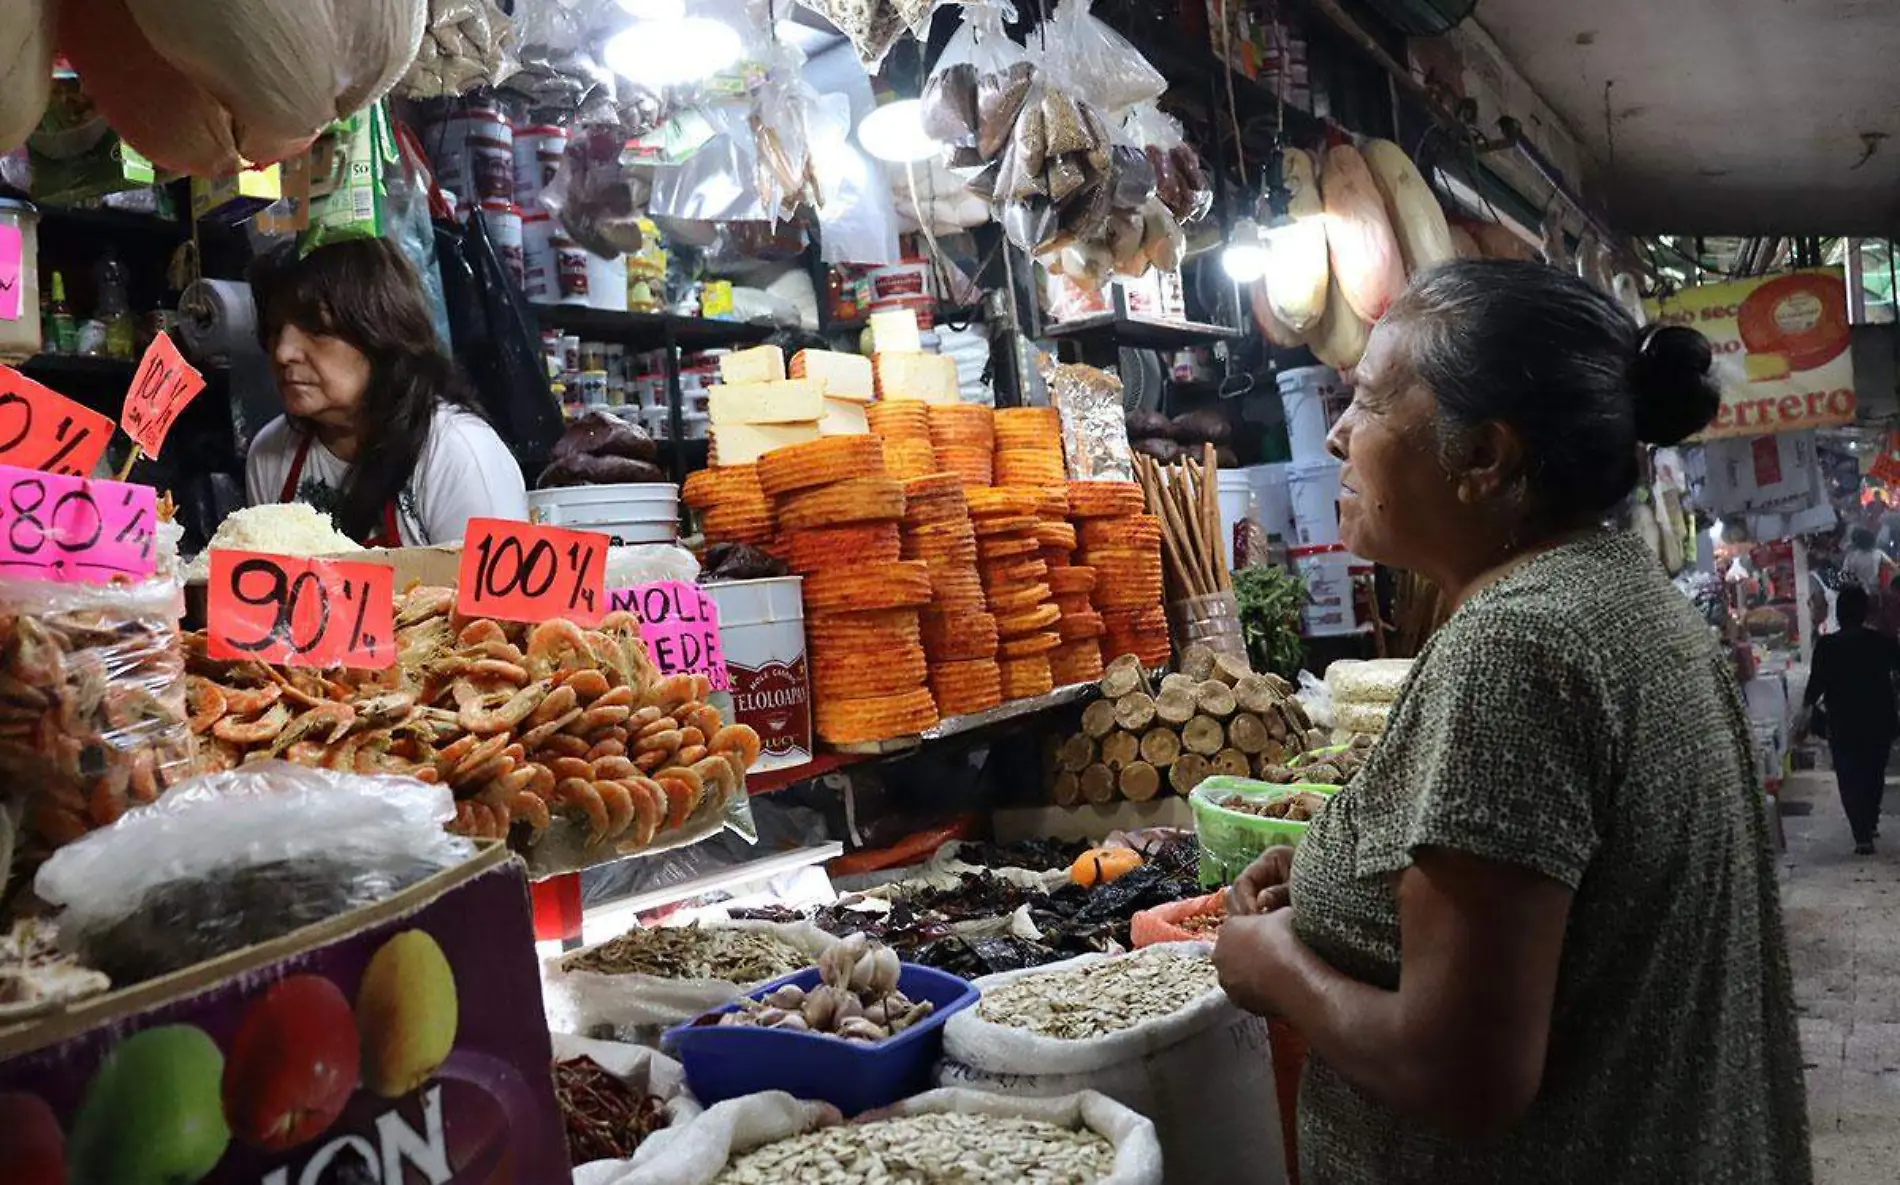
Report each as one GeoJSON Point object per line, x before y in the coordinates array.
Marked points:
{"type": "Point", "coordinates": [1538, 939]}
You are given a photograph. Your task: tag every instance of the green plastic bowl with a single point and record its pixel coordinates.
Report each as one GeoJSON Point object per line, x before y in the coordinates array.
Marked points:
{"type": "Point", "coordinates": [1231, 840]}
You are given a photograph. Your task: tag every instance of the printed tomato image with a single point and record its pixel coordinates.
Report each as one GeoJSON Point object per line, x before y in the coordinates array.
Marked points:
{"type": "Point", "coordinates": [32, 1148]}
{"type": "Point", "coordinates": [152, 1115]}
{"type": "Point", "coordinates": [293, 1064]}
{"type": "Point", "coordinates": [407, 1011]}
{"type": "Point", "coordinates": [1801, 317]}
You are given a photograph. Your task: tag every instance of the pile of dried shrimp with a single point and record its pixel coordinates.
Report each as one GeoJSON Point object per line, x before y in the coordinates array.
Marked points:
{"type": "Point", "coordinates": [523, 722]}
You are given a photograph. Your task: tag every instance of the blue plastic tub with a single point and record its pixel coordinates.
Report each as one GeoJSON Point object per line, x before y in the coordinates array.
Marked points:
{"type": "Point", "coordinates": [726, 1062]}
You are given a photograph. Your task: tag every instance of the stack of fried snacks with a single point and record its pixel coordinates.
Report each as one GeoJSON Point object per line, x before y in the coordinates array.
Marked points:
{"type": "Point", "coordinates": [1123, 547]}
{"type": "Point", "coordinates": [964, 437]}
{"type": "Point", "coordinates": [1029, 447]}
{"type": "Point", "coordinates": [1079, 658]}
{"type": "Point", "coordinates": [904, 427]}
{"type": "Point", "coordinates": [731, 505]}
{"type": "Point", "coordinates": [840, 512]}
{"type": "Point", "coordinates": [959, 634]}
{"type": "Point", "coordinates": [1015, 580]}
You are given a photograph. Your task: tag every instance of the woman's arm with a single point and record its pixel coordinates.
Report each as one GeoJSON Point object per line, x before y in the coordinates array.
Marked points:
{"type": "Point", "coordinates": [1461, 1044]}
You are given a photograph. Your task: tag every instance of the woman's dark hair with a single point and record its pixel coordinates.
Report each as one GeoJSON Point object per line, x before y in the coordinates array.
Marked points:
{"type": "Point", "coordinates": [1561, 363]}
{"type": "Point", "coordinates": [1861, 539]}
{"type": "Point", "coordinates": [1850, 606]}
{"type": "Point", "coordinates": [365, 292]}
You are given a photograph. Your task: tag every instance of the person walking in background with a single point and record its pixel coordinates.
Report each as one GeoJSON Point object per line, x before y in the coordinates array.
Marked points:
{"type": "Point", "coordinates": [1852, 682]}
{"type": "Point", "coordinates": [1864, 564]}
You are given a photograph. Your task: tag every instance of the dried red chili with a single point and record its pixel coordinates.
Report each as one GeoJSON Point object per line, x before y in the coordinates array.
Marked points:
{"type": "Point", "coordinates": [605, 1118]}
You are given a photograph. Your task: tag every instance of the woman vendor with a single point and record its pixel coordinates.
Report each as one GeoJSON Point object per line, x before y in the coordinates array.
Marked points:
{"type": "Point", "coordinates": [1538, 938]}
{"type": "Point", "coordinates": [378, 429]}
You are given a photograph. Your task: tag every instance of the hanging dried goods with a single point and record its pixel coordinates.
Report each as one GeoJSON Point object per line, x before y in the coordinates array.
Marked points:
{"type": "Point", "coordinates": [1417, 219]}
{"type": "Point", "coordinates": [1301, 264]}
{"type": "Point", "coordinates": [1367, 269]}
{"type": "Point", "coordinates": [1340, 340]}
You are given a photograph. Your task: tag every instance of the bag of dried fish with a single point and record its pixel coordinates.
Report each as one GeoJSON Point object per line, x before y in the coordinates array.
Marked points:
{"type": "Point", "coordinates": [92, 707]}
{"type": "Point", "coordinates": [226, 861]}
{"type": "Point", "coordinates": [1151, 1030]}
{"type": "Point", "coordinates": [635, 986]}
{"type": "Point", "coordinates": [940, 1137]}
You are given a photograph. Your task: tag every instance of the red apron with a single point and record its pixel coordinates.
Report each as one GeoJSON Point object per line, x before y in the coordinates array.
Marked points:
{"type": "Point", "coordinates": [389, 536]}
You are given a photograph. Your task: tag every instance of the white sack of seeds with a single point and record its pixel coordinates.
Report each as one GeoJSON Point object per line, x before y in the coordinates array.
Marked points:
{"type": "Point", "coordinates": [698, 1152]}
{"type": "Point", "coordinates": [1203, 1067]}
{"type": "Point", "coordinates": [639, 1008]}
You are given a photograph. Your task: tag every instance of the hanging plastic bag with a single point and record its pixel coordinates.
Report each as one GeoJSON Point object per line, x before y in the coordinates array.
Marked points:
{"type": "Point", "coordinates": [229, 860]}
{"type": "Point", "coordinates": [980, 48]}
{"type": "Point", "coordinates": [1087, 59]}
{"type": "Point", "coordinates": [467, 44]}
{"type": "Point", "coordinates": [598, 199]}
{"type": "Point", "coordinates": [781, 139]}
{"type": "Point", "coordinates": [410, 206]}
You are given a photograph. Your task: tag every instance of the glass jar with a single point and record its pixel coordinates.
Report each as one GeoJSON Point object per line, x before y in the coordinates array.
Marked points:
{"type": "Point", "coordinates": [19, 322]}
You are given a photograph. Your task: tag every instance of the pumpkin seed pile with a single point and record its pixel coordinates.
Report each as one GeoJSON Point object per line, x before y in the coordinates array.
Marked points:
{"type": "Point", "coordinates": [689, 952]}
{"type": "Point", "coordinates": [946, 1149]}
{"type": "Point", "coordinates": [1101, 997]}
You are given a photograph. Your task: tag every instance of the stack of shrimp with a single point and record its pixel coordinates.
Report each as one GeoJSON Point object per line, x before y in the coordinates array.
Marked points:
{"type": "Point", "coordinates": [525, 723]}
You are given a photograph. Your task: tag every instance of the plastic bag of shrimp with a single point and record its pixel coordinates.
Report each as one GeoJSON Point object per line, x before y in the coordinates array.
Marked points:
{"type": "Point", "coordinates": [92, 708]}
{"type": "Point", "coordinates": [226, 860]}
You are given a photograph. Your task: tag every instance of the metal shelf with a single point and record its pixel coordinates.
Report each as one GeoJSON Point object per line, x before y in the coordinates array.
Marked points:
{"type": "Point", "coordinates": [651, 331]}
{"type": "Point", "coordinates": [1136, 331]}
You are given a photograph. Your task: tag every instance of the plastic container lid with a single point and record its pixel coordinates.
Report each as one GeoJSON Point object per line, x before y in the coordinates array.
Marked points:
{"type": "Point", "coordinates": [726, 1062]}
{"type": "Point", "coordinates": [773, 600]}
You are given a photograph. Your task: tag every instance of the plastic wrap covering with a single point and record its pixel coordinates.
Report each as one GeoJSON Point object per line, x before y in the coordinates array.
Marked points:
{"type": "Point", "coordinates": [26, 67]}
{"type": "Point", "coordinates": [1093, 62]}
{"type": "Point", "coordinates": [233, 859]}
{"type": "Point", "coordinates": [1374, 681]}
{"type": "Point", "coordinates": [466, 44]}
{"type": "Point", "coordinates": [1094, 427]}
{"type": "Point", "coordinates": [92, 705]}
{"type": "Point", "coordinates": [284, 71]}
{"type": "Point", "coordinates": [599, 201]}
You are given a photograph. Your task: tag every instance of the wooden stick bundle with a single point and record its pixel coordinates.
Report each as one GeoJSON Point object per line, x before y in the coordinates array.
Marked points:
{"type": "Point", "coordinates": [1184, 497]}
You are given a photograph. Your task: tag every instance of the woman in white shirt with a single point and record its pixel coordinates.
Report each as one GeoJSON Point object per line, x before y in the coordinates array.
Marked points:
{"type": "Point", "coordinates": [378, 429]}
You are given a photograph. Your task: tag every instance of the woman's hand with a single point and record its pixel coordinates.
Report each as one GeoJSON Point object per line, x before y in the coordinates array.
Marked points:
{"type": "Point", "coordinates": [1263, 887]}
{"type": "Point", "coordinates": [1252, 959]}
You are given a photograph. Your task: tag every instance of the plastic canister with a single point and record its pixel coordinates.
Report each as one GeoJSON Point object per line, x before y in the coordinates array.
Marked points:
{"type": "Point", "coordinates": [1235, 492]}
{"type": "Point", "coordinates": [504, 227]}
{"type": "Point", "coordinates": [20, 332]}
{"type": "Point", "coordinates": [633, 512]}
{"type": "Point", "coordinates": [1313, 489]}
{"type": "Point", "coordinates": [762, 630]}
{"type": "Point", "coordinates": [910, 278]}
{"type": "Point", "coordinates": [607, 282]}
{"type": "Point", "coordinates": [1328, 571]}
{"type": "Point", "coordinates": [537, 257]}
{"type": "Point", "coordinates": [570, 270]}
{"type": "Point", "coordinates": [538, 149]}
{"type": "Point", "coordinates": [1272, 505]}
{"type": "Point", "coordinates": [1312, 399]}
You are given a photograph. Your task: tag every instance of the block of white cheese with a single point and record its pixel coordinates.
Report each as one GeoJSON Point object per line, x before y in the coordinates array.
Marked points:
{"type": "Point", "coordinates": [895, 331]}
{"type": "Point", "coordinates": [843, 376]}
{"type": "Point", "coordinates": [844, 417]}
{"type": "Point", "coordinates": [760, 364]}
{"type": "Point", "coordinates": [786, 401]}
{"type": "Point", "coordinates": [742, 444]}
{"type": "Point", "coordinates": [929, 377]}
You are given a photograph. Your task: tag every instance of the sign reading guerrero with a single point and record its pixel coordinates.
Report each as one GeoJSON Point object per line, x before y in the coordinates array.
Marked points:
{"type": "Point", "coordinates": [1781, 349]}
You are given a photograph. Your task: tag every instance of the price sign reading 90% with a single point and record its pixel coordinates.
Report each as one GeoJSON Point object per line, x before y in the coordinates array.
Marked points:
{"type": "Point", "coordinates": [521, 572]}
{"type": "Point", "coordinates": [301, 612]}
{"type": "Point", "coordinates": [74, 529]}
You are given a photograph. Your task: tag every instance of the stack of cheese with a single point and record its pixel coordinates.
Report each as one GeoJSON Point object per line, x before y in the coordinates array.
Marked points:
{"type": "Point", "coordinates": [959, 633]}
{"type": "Point", "coordinates": [840, 514]}
{"type": "Point", "coordinates": [901, 369]}
{"type": "Point", "coordinates": [1015, 581]}
{"type": "Point", "coordinates": [756, 408]}
{"type": "Point", "coordinates": [1029, 447]}
{"type": "Point", "coordinates": [1123, 546]}
{"type": "Point", "coordinates": [904, 427]}
{"type": "Point", "coordinates": [731, 504]}
{"type": "Point", "coordinates": [1079, 658]}
{"type": "Point", "coordinates": [964, 438]}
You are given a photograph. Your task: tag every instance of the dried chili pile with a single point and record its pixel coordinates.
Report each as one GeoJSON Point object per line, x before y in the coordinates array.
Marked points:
{"type": "Point", "coordinates": [605, 1118]}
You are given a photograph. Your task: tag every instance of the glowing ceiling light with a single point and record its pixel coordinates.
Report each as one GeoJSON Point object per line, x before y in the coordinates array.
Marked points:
{"type": "Point", "coordinates": [895, 133]}
{"type": "Point", "coordinates": [661, 53]}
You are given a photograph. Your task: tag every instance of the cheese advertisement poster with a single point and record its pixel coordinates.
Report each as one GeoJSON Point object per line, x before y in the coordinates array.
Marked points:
{"type": "Point", "coordinates": [1781, 349]}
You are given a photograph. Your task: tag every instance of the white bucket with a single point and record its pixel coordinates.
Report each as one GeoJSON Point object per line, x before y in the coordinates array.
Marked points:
{"type": "Point", "coordinates": [537, 257]}
{"type": "Point", "coordinates": [1312, 397]}
{"type": "Point", "coordinates": [1272, 505]}
{"type": "Point", "coordinates": [1328, 572]}
{"type": "Point", "coordinates": [607, 282]}
{"type": "Point", "coordinates": [762, 631]}
{"type": "Point", "coordinates": [630, 513]}
{"type": "Point", "coordinates": [1313, 492]}
{"type": "Point", "coordinates": [1236, 498]}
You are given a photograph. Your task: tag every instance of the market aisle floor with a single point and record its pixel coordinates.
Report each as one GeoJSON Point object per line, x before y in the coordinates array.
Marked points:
{"type": "Point", "coordinates": [1843, 915]}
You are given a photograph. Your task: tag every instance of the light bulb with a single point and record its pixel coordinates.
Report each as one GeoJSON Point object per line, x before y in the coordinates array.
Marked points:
{"type": "Point", "coordinates": [662, 53]}
{"type": "Point", "coordinates": [1245, 257]}
{"type": "Point", "coordinates": [895, 133]}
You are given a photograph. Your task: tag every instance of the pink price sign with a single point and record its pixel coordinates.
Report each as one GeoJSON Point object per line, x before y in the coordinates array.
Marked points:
{"type": "Point", "coordinates": [680, 625]}
{"type": "Point", "coordinates": [74, 529]}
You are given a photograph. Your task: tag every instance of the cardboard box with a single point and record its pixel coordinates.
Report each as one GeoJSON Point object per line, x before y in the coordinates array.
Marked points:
{"type": "Point", "coordinates": [314, 1058]}
{"type": "Point", "coordinates": [438, 566]}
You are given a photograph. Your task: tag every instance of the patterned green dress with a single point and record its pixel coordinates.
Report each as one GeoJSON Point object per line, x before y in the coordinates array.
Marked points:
{"type": "Point", "coordinates": [1577, 718]}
